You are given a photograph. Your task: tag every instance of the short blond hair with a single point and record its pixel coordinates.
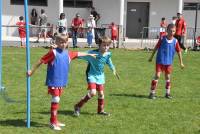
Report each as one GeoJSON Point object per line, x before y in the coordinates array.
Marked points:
{"type": "Point", "coordinates": [62, 38]}
{"type": "Point", "coordinates": [105, 39]}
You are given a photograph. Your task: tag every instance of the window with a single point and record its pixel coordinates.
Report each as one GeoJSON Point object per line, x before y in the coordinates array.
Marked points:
{"type": "Point", "coordinates": [30, 2]}
{"type": "Point", "coordinates": [77, 3]}
{"type": "Point", "coordinates": [191, 6]}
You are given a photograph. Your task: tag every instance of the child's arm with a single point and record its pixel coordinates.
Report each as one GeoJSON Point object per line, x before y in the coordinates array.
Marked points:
{"type": "Point", "coordinates": [153, 53]}
{"type": "Point", "coordinates": [86, 54]}
{"type": "Point", "coordinates": [35, 67]}
{"type": "Point", "coordinates": [180, 60]}
{"type": "Point", "coordinates": [154, 50]}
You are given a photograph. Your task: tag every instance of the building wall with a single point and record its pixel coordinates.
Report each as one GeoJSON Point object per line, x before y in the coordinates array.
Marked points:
{"type": "Point", "coordinates": [108, 9]}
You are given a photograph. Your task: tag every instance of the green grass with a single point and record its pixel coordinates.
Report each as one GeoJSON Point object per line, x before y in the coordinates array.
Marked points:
{"type": "Point", "coordinates": [132, 112]}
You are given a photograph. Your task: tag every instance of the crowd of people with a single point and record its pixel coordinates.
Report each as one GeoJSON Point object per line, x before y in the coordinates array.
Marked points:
{"type": "Point", "coordinates": [78, 28]}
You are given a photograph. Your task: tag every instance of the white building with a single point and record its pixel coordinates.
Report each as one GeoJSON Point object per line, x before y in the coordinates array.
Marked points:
{"type": "Point", "coordinates": [132, 14]}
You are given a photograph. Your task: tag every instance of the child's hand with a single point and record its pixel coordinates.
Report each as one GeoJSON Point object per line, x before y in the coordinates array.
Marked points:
{"type": "Point", "coordinates": [93, 55]}
{"type": "Point", "coordinates": [182, 66]}
{"type": "Point", "coordinates": [29, 73]}
{"type": "Point", "coordinates": [116, 74]}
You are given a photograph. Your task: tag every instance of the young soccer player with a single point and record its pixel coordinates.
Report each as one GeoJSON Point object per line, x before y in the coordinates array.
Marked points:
{"type": "Point", "coordinates": [114, 34]}
{"type": "Point", "coordinates": [166, 46]}
{"type": "Point", "coordinates": [58, 61]}
{"type": "Point", "coordinates": [95, 75]}
{"type": "Point", "coordinates": [163, 25]}
{"type": "Point", "coordinates": [22, 30]}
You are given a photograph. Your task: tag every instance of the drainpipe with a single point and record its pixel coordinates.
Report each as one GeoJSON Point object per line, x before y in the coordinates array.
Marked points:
{"type": "Point", "coordinates": [60, 6]}
{"type": "Point", "coordinates": [180, 6]}
{"type": "Point", "coordinates": [121, 24]}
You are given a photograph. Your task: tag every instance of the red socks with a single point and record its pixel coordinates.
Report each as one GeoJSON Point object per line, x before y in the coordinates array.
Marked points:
{"type": "Point", "coordinates": [83, 101]}
{"type": "Point", "coordinates": [100, 105]}
{"type": "Point", "coordinates": [54, 109]}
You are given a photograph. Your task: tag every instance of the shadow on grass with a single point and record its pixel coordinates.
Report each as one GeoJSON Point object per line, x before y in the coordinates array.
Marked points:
{"type": "Point", "coordinates": [20, 123]}
{"type": "Point", "coordinates": [130, 95]}
{"type": "Point", "coordinates": [67, 112]}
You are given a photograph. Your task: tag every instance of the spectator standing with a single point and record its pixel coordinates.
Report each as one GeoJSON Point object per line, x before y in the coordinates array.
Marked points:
{"type": "Point", "coordinates": [90, 32]}
{"type": "Point", "coordinates": [77, 23]}
{"type": "Point", "coordinates": [62, 24]}
{"type": "Point", "coordinates": [95, 14]}
{"type": "Point", "coordinates": [34, 17]}
{"type": "Point", "coordinates": [180, 31]}
{"type": "Point", "coordinates": [174, 18]}
{"type": "Point", "coordinates": [43, 24]}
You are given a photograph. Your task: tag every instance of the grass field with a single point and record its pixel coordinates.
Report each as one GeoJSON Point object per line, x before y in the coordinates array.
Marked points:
{"type": "Point", "coordinates": [132, 112]}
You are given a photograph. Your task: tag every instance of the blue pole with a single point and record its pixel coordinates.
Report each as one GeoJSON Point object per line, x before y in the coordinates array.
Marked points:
{"type": "Point", "coordinates": [28, 112]}
{"type": "Point", "coordinates": [0, 45]}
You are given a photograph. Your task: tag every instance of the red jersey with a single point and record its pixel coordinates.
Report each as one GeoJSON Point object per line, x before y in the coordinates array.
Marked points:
{"type": "Point", "coordinates": [49, 57]}
{"type": "Point", "coordinates": [163, 26]}
{"type": "Point", "coordinates": [114, 32]}
{"type": "Point", "coordinates": [180, 27]}
{"type": "Point", "coordinates": [21, 29]}
{"type": "Point", "coordinates": [76, 23]}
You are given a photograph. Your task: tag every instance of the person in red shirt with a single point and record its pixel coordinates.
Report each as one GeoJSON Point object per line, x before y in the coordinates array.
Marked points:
{"type": "Point", "coordinates": [163, 26]}
{"type": "Point", "coordinates": [22, 31]}
{"type": "Point", "coordinates": [77, 23]}
{"type": "Point", "coordinates": [180, 31]}
{"type": "Point", "coordinates": [114, 34]}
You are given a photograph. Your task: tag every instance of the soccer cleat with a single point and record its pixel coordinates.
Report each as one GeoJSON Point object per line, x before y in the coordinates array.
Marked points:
{"type": "Point", "coordinates": [104, 113]}
{"type": "Point", "coordinates": [168, 96]}
{"type": "Point", "coordinates": [76, 111]}
{"type": "Point", "coordinates": [152, 96]}
{"type": "Point", "coordinates": [60, 124]}
{"type": "Point", "coordinates": [55, 127]}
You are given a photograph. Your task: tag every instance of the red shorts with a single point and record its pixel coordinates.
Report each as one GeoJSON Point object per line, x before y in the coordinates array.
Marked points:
{"type": "Point", "coordinates": [55, 91]}
{"type": "Point", "coordinates": [164, 68]}
{"type": "Point", "coordinates": [95, 86]}
{"type": "Point", "coordinates": [114, 38]}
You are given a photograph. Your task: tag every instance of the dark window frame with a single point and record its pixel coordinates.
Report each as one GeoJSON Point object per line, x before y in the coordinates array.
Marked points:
{"type": "Point", "coordinates": [78, 3]}
{"type": "Point", "coordinates": [30, 2]}
{"type": "Point", "coordinates": [191, 6]}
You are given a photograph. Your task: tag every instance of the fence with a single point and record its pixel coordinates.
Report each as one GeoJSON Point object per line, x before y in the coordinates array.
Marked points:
{"type": "Point", "coordinates": [150, 36]}
{"type": "Point", "coordinates": [10, 33]}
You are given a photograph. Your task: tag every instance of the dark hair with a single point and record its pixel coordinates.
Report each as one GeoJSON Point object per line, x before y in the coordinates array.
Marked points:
{"type": "Point", "coordinates": [42, 11]}
{"type": "Point", "coordinates": [163, 18]}
{"type": "Point", "coordinates": [170, 26]}
{"type": "Point", "coordinates": [34, 13]}
{"type": "Point", "coordinates": [174, 17]}
{"type": "Point", "coordinates": [21, 18]}
{"type": "Point", "coordinates": [62, 14]}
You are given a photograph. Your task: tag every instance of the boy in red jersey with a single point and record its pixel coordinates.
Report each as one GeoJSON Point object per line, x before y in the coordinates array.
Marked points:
{"type": "Point", "coordinates": [114, 34]}
{"type": "Point", "coordinates": [58, 61]}
{"type": "Point", "coordinates": [22, 30]}
{"type": "Point", "coordinates": [166, 46]}
{"type": "Point", "coordinates": [163, 26]}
